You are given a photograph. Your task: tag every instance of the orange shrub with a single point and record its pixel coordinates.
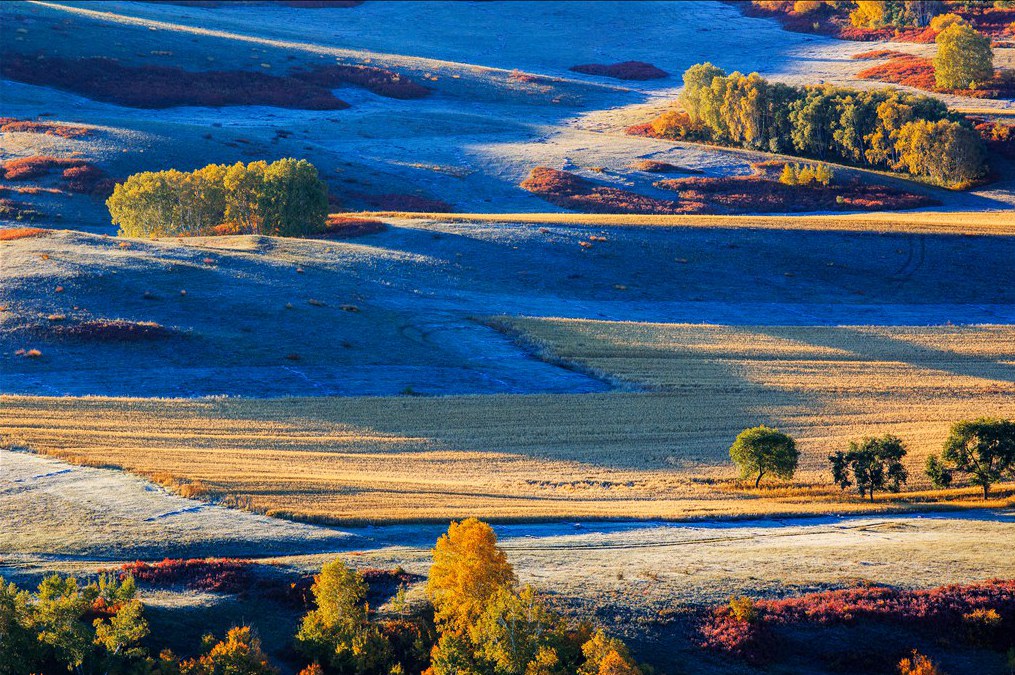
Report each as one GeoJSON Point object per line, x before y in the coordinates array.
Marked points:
{"type": "Point", "coordinates": [12, 233]}
{"type": "Point", "coordinates": [36, 166]}
{"type": "Point", "coordinates": [50, 128]}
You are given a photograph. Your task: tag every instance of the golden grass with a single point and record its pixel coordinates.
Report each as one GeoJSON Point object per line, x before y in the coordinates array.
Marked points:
{"type": "Point", "coordinates": [997, 223]}
{"type": "Point", "coordinates": [659, 453]}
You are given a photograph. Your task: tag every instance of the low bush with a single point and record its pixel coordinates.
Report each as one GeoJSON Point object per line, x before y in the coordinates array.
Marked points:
{"type": "Point", "coordinates": [217, 575]}
{"type": "Point", "coordinates": [626, 70]}
{"type": "Point", "coordinates": [908, 70]}
{"type": "Point", "coordinates": [653, 166]}
{"type": "Point", "coordinates": [37, 166]}
{"type": "Point", "coordinates": [404, 202]}
{"type": "Point", "coordinates": [569, 191]}
{"type": "Point", "coordinates": [88, 179]}
{"type": "Point", "coordinates": [377, 80]}
{"type": "Point", "coordinates": [12, 124]}
{"type": "Point", "coordinates": [879, 54]}
{"type": "Point", "coordinates": [12, 233]}
{"type": "Point", "coordinates": [112, 330]}
{"type": "Point", "coordinates": [11, 209]}
{"type": "Point", "coordinates": [983, 611]}
{"type": "Point", "coordinates": [346, 227]}
{"type": "Point", "coordinates": [105, 79]}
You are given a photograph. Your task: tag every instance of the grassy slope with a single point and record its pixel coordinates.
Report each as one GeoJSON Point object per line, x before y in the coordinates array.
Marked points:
{"type": "Point", "coordinates": [658, 454]}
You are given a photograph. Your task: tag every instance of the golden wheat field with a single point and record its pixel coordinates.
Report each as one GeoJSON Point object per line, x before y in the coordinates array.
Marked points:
{"type": "Point", "coordinates": [995, 223]}
{"type": "Point", "coordinates": [655, 450]}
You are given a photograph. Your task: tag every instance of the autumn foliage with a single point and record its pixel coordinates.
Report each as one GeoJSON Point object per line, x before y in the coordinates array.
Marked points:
{"type": "Point", "coordinates": [12, 124]}
{"type": "Point", "coordinates": [12, 233]}
{"type": "Point", "coordinates": [37, 166]}
{"type": "Point", "coordinates": [346, 227]}
{"type": "Point", "coordinates": [217, 575]}
{"type": "Point", "coordinates": [569, 191]}
{"type": "Point", "coordinates": [945, 610]}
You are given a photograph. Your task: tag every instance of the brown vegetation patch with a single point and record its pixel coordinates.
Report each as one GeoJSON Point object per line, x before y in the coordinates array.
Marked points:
{"type": "Point", "coordinates": [36, 166]}
{"type": "Point", "coordinates": [88, 179]}
{"type": "Point", "coordinates": [105, 79]}
{"type": "Point", "coordinates": [346, 227]}
{"type": "Point", "coordinates": [12, 233]}
{"type": "Point", "coordinates": [11, 209]}
{"type": "Point", "coordinates": [878, 54]}
{"type": "Point", "coordinates": [112, 330]}
{"type": "Point", "coordinates": [653, 166]}
{"type": "Point", "coordinates": [569, 191]}
{"type": "Point", "coordinates": [626, 70]}
{"type": "Point", "coordinates": [759, 194]}
{"type": "Point", "coordinates": [404, 202]}
{"type": "Point", "coordinates": [377, 80]}
{"type": "Point", "coordinates": [12, 124]}
{"type": "Point", "coordinates": [1000, 137]}
{"type": "Point", "coordinates": [216, 575]}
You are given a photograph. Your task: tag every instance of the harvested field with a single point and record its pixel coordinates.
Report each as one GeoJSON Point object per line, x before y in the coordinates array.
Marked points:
{"type": "Point", "coordinates": [655, 454]}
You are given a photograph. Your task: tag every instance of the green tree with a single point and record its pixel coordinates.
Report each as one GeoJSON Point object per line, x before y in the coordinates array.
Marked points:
{"type": "Point", "coordinates": [872, 464]}
{"type": "Point", "coordinates": [59, 607]}
{"type": "Point", "coordinates": [120, 637]}
{"type": "Point", "coordinates": [243, 185]}
{"type": "Point", "coordinates": [946, 151]}
{"type": "Point", "coordinates": [763, 450]}
{"type": "Point", "coordinates": [239, 653]}
{"type": "Point", "coordinates": [697, 79]}
{"type": "Point", "coordinates": [984, 449]}
{"type": "Point", "coordinates": [19, 648]}
{"type": "Point", "coordinates": [515, 629]}
{"type": "Point", "coordinates": [964, 59]}
{"type": "Point", "coordinates": [338, 631]}
{"type": "Point", "coordinates": [294, 202]}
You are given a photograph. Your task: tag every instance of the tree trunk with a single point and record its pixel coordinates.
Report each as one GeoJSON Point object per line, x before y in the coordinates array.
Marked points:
{"type": "Point", "coordinates": [986, 490]}
{"type": "Point", "coordinates": [757, 483]}
{"type": "Point", "coordinates": [872, 494]}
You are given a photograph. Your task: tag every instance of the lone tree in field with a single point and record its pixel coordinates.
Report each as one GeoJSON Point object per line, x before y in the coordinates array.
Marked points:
{"type": "Point", "coordinates": [964, 58]}
{"type": "Point", "coordinates": [763, 450]}
{"type": "Point", "coordinates": [984, 449]}
{"type": "Point", "coordinates": [872, 464]}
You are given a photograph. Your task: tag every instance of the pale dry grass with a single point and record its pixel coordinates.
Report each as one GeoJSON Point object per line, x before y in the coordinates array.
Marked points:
{"type": "Point", "coordinates": [660, 453]}
{"type": "Point", "coordinates": [997, 223]}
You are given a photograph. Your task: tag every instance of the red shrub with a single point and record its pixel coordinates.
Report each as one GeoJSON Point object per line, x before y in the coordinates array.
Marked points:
{"type": "Point", "coordinates": [12, 233]}
{"type": "Point", "coordinates": [345, 227]}
{"type": "Point", "coordinates": [643, 129]}
{"type": "Point", "coordinates": [88, 179]}
{"type": "Point", "coordinates": [573, 192]}
{"type": "Point", "coordinates": [757, 194]}
{"type": "Point", "coordinates": [879, 54]}
{"type": "Point", "coordinates": [626, 70]}
{"type": "Point", "coordinates": [217, 575]}
{"type": "Point", "coordinates": [402, 202]}
{"type": "Point", "coordinates": [112, 330]}
{"type": "Point", "coordinates": [912, 71]}
{"type": "Point", "coordinates": [108, 80]}
{"type": "Point", "coordinates": [378, 80]}
{"type": "Point", "coordinates": [944, 610]}
{"type": "Point", "coordinates": [653, 166]}
{"type": "Point", "coordinates": [28, 126]}
{"type": "Point", "coordinates": [36, 166]}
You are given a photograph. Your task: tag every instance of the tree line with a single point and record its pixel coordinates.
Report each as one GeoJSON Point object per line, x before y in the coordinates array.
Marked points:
{"type": "Point", "coordinates": [476, 620]}
{"type": "Point", "coordinates": [982, 450]}
{"type": "Point", "coordinates": [285, 198]}
{"type": "Point", "coordinates": [877, 128]}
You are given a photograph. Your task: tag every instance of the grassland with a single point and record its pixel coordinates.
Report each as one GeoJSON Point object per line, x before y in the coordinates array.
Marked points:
{"type": "Point", "coordinates": [656, 451]}
{"type": "Point", "coordinates": [998, 223]}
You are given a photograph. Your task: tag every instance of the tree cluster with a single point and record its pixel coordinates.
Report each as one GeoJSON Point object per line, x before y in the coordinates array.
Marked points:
{"type": "Point", "coordinates": [805, 174]}
{"type": "Point", "coordinates": [285, 198]}
{"type": "Point", "coordinates": [480, 622]}
{"type": "Point", "coordinates": [878, 128]}
{"type": "Point", "coordinates": [982, 450]}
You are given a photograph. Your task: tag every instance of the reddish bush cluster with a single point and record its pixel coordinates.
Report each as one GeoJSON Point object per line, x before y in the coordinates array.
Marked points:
{"type": "Point", "coordinates": [952, 610]}
{"type": "Point", "coordinates": [112, 330]}
{"type": "Point", "coordinates": [217, 575]}
{"type": "Point", "coordinates": [378, 80]}
{"type": "Point", "coordinates": [574, 192]}
{"type": "Point", "coordinates": [912, 71]}
{"type": "Point", "coordinates": [345, 227]}
{"type": "Point", "coordinates": [653, 166]}
{"type": "Point", "coordinates": [36, 166]}
{"type": "Point", "coordinates": [1000, 137]}
{"type": "Point", "coordinates": [108, 80]}
{"type": "Point", "coordinates": [88, 179]}
{"type": "Point", "coordinates": [32, 127]}
{"type": "Point", "coordinates": [626, 70]}
{"type": "Point", "coordinates": [403, 202]}
{"type": "Point", "coordinates": [878, 54]}
{"type": "Point", "coordinates": [12, 233]}
{"type": "Point", "coordinates": [915, 71]}
{"type": "Point", "coordinates": [758, 194]}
